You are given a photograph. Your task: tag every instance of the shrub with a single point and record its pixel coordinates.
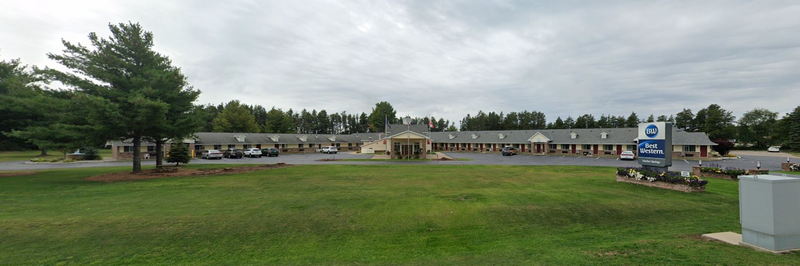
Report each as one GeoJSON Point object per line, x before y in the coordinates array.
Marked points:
{"type": "Point", "coordinates": [178, 154]}
{"type": "Point", "coordinates": [732, 172]}
{"type": "Point", "coordinates": [723, 146]}
{"type": "Point", "coordinates": [90, 153]}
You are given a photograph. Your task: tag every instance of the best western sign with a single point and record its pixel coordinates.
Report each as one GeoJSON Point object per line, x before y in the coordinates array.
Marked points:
{"type": "Point", "coordinates": [655, 144]}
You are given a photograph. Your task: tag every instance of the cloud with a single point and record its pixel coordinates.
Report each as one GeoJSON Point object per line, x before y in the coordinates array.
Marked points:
{"type": "Point", "coordinates": [450, 58]}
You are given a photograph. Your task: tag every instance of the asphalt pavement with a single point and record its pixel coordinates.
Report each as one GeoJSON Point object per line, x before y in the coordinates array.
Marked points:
{"type": "Point", "coordinates": [745, 162]}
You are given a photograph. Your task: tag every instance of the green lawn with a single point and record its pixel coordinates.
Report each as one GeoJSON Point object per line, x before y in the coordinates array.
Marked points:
{"type": "Point", "coordinates": [370, 214]}
{"type": "Point", "coordinates": [8, 156]}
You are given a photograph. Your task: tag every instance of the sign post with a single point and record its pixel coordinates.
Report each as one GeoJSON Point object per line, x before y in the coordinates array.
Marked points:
{"type": "Point", "coordinates": [655, 145]}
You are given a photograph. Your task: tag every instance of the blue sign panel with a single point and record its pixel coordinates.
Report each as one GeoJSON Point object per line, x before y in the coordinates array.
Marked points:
{"type": "Point", "coordinates": [652, 149]}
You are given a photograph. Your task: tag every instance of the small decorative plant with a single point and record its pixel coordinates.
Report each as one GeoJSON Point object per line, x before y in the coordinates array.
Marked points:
{"type": "Point", "coordinates": [668, 177]}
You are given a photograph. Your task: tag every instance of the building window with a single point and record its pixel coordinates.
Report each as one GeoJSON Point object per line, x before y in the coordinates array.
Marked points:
{"type": "Point", "coordinates": [587, 147]}
{"type": "Point", "coordinates": [565, 146]}
{"type": "Point", "coordinates": [631, 147]}
{"type": "Point", "coordinates": [553, 146]}
{"type": "Point", "coordinates": [300, 145]}
{"type": "Point", "coordinates": [349, 144]}
{"type": "Point", "coordinates": [246, 146]}
{"type": "Point", "coordinates": [689, 148]}
{"type": "Point", "coordinates": [231, 146]}
{"type": "Point", "coordinates": [258, 146]}
{"type": "Point", "coordinates": [151, 149]}
{"type": "Point", "coordinates": [127, 149]}
{"type": "Point", "coordinates": [198, 147]}
{"type": "Point", "coordinates": [217, 147]}
{"type": "Point", "coordinates": [608, 147]}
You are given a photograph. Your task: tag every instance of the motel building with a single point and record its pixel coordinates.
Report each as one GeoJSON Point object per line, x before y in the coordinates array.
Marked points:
{"type": "Point", "coordinates": [416, 141]}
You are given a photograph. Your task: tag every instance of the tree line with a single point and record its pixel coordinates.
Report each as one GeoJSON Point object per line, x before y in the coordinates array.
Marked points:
{"type": "Point", "coordinates": [238, 117]}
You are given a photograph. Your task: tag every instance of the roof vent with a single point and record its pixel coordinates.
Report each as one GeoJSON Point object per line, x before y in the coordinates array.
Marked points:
{"type": "Point", "coordinates": [573, 135]}
{"type": "Point", "coordinates": [332, 138]}
{"type": "Point", "coordinates": [303, 138]}
{"type": "Point", "coordinates": [451, 136]}
{"type": "Point", "coordinates": [274, 138]}
{"type": "Point", "coordinates": [474, 136]}
{"type": "Point", "coordinates": [603, 135]}
{"type": "Point", "coordinates": [501, 136]}
{"type": "Point", "coordinates": [239, 138]}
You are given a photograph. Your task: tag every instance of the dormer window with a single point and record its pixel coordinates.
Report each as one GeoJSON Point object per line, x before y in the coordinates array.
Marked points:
{"type": "Point", "coordinates": [603, 135]}
{"type": "Point", "coordinates": [303, 138]}
{"type": "Point", "coordinates": [332, 138]}
{"type": "Point", "coordinates": [474, 136]}
{"type": "Point", "coordinates": [274, 138]}
{"type": "Point", "coordinates": [501, 136]}
{"type": "Point", "coordinates": [239, 138]}
{"type": "Point", "coordinates": [573, 135]}
{"type": "Point", "coordinates": [451, 136]}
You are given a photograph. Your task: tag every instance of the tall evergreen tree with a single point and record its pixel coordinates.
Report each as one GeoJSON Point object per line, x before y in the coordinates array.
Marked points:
{"type": "Point", "coordinates": [118, 73]}
{"type": "Point", "coordinates": [382, 112]}
{"type": "Point", "coordinates": [236, 117]}
{"type": "Point", "coordinates": [632, 121]}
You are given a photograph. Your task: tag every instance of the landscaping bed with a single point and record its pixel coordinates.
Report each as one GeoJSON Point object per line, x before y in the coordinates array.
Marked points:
{"type": "Point", "coordinates": [666, 180]}
{"type": "Point", "coordinates": [170, 171]}
{"type": "Point", "coordinates": [790, 167]}
{"type": "Point", "coordinates": [730, 173]}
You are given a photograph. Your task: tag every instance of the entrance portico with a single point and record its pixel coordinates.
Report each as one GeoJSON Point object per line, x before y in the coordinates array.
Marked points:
{"type": "Point", "coordinates": [408, 145]}
{"type": "Point", "coordinates": [539, 143]}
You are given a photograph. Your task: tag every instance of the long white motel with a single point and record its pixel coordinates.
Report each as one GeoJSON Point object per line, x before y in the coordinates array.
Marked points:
{"type": "Point", "coordinates": [404, 141]}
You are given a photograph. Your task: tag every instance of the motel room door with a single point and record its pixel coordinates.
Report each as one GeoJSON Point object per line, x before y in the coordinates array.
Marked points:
{"type": "Point", "coordinates": [538, 148]}
{"type": "Point", "coordinates": [703, 151]}
{"type": "Point", "coordinates": [594, 149]}
{"type": "Point", "coordinates": [619, 149]}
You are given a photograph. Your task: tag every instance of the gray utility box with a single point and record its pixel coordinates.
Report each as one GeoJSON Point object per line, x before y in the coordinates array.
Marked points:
{"type": "Point", "coordinates": [770, 211]}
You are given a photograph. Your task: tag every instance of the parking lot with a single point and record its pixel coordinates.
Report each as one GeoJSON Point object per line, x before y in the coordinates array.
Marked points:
{"type": "Point", "coordinates": [745, 162]}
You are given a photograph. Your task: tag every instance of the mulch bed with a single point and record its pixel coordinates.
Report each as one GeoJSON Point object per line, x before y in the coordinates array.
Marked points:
{"type": "Point", "coordinates": [12, 174]}
{"type": "Point", "coordinates": [180, 172]}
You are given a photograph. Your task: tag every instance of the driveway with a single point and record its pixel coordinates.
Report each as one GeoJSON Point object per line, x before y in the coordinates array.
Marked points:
{"type": "Point", "coordinates": [783, 155]}
{"type": "Point", "coordinates": [745, 162]}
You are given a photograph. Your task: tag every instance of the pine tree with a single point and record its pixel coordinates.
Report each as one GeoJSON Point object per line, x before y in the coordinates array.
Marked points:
{"type": "Point", "coordinates": [178, 153]}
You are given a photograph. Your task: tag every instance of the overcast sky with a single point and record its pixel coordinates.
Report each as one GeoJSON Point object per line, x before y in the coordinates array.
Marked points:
{"type": "Point", "coordinates": [450, 58]}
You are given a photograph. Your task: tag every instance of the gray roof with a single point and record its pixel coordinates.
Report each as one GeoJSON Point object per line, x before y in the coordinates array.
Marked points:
{"type": "Point", "coordinates": [624, 136]}
{"type": "Point", "coordinates": [281, 138]}
{"type": "Point", "coordinates": [563, 136]}
{"type": "Point", "coordinates": [393, 129]}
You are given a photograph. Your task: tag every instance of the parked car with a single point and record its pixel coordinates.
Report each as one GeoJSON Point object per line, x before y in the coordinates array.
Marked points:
{"type": "Point", "coordinates": [233, 154]}
{"type": "Point", "coordinates": [211, 154]}
{"type": "Point", "coordinates": [252, 152]}
{"type": "Point", "coordinates": [774, 149]}
{"type": "Point", "coordinates": [270, 152]}
{"type": "Point", "coordinates": [627, 155]}
{"type": "Point", "coordinates": [508, 151]}
{"type": "Point", "coordinates": [330, 150]}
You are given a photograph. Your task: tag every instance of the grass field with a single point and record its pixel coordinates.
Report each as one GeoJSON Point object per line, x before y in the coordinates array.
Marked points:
{"type": "Point", "coordinates": [370, 214]}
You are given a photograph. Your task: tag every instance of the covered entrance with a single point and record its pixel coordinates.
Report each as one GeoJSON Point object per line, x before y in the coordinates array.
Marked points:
{"type": "Point", "coordinates": [409, 145]}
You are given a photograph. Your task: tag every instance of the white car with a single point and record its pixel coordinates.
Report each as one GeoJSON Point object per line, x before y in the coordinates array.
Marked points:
{"type": "Point", "coordinates": [774, 149]}
{"type": "Point", "coordinates": [330, 149]}
{"type": "Point", "coordinates": [627, 155]}
{"type": "Point", "coordinates": [252, 152]}
{"type": "Point", "coordinates": [211, 154]}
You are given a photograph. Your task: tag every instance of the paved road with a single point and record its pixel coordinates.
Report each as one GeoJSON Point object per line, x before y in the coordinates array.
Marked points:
{"type": "Point", "coordinates": [745, 162]}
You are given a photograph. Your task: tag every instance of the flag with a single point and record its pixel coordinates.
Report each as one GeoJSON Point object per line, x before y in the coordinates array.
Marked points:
{"type": "Point", "coordinates": [430, 123]}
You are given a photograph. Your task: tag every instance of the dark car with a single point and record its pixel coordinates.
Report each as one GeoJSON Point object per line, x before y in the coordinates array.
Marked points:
{"type": "Point", "coordinates": [508, 151]}
{"type": "Point", "coordinates": [270, 152]}
{"type": "Point", "coordinates": [233, 154]}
